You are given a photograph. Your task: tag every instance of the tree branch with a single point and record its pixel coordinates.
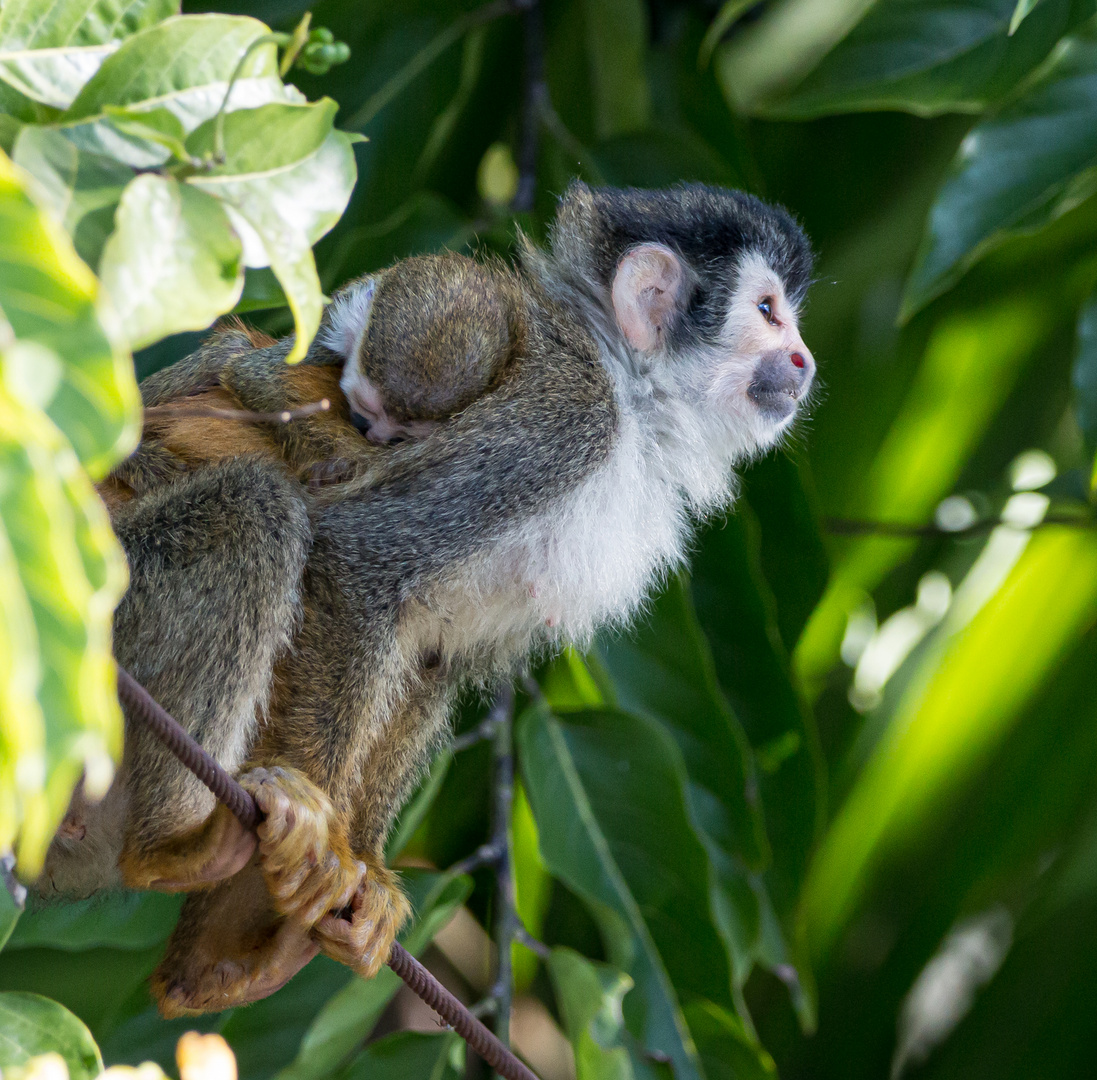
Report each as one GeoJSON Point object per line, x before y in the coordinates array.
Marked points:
{"type": "Point", "coordinates": [506, 921]}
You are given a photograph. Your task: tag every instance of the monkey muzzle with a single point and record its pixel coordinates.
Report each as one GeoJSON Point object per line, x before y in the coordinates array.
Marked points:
{"type": "Point", "coordinates": [781, 379]}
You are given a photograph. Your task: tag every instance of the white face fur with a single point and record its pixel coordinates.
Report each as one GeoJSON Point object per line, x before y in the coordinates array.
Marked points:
{"type": "Point", "coordinates": [751, 380]}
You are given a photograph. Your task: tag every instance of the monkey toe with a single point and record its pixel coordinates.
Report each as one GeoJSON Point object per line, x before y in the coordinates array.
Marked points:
{"type": "Point", "coordinates": [361, 935]}
{"type": "Point", "coordinates": [304, 876]}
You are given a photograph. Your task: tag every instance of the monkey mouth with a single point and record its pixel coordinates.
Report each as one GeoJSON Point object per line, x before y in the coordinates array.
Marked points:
{"type": "Point", "coordinates": [774, 402]}
{"type": "Point", "coordinates": [777, 386]}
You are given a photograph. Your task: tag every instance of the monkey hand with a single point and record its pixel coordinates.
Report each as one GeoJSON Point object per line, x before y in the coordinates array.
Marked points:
{"type": "Point", "coordinates": [303, 852]}
{"type": "Point", "coordinates": [362, 934]}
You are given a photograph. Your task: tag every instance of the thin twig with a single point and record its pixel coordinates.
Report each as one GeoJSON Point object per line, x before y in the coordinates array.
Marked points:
{"type": "Point", "coordinates": [485, 855]}
{"type": "Point", "coordinates": [506, 921]}
{"type": "Point", "coordinates": [903, 530]}
{"type": "Point", "coordinates": [535, 945]}
{"type": "Point", "coordinates": [156, 412]}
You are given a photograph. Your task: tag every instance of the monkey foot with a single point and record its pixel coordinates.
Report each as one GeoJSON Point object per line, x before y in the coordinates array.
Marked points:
{"type": "Point", "coordinates": [216, 850]}
{"type": "Point", "coordinates": [362, 934]}
{"type": "Point", "coordinates": [305, 876]}
{"type": "Point", "coordinates": [229, 948]}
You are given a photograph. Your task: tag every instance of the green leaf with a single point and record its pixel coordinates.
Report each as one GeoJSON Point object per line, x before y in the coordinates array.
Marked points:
{"type": "Point", "coordinates": [348, 1016]}
{"type": "Point", "coordinates": [10, 912]}
{"type": "Point", "coordinates": [736, 609]}
{"type": "Point", "coordinates": [1015, 171]}
{"type": "Point", "coordinates": [616, 41]}
{"type": "Point", "coordinates": [31, 1025]}
{"type": "Point", "coordinates": [72, 573]}
{"type": "Point", "coordinates": [969, 692]}
{"type": "Point", "coordinates": [408, 1055]}
{"type": "Point", "coordinates": [82, 189]}
{"type": "Point", "coordinates": [927, 57]}
{"type": "Point", "coordinates": [173, 262]}
{"type": "Point", "coordinates": [589, 996]}
{"type": "Point", "coordinates": [971, 363]}
{"type": "Point", "coordinates": [415, 810]}
{"type": "Point", "coordinates": [281, 211]}
{"type": "Point", "coordinates": [48, 296]}
{"type": "Point", "coordinates": [50, 48]}
{"type": "Point", "coordinates": [266, 139]}
{"type": "Point", "coordinates": [159, 126]}
{"type": "Point", "coordinates": [728, 15]}
{"type": "Point", "coordinates": [727, 1050]}
{"type": "Point", "coordinates": [126, 920]}
{"type": "Point", "coordinates": [1084, 377]}
{"type": "Point", "coordinates": [184, 65]}
{"type": "Point", "coordinates": [663, 670]}
{"type": "Point", "coordinates": [61, 563]}
{"type": "Point", "coordinates": [606, 791]}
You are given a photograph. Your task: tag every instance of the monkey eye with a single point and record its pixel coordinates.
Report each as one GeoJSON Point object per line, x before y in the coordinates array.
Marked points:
{"type": "Point", "coordinates": [765, 306]}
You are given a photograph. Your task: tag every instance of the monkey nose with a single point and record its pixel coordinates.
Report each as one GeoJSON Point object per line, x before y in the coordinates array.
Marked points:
{"type": "Point", "coordinates": [780, 379]}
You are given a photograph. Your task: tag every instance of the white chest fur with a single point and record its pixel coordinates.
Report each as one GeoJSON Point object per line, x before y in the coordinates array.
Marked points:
{"type": "Point", "coordinates": [591, 559]}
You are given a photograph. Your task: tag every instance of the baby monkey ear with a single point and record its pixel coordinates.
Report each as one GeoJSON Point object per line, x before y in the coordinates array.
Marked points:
{"type": "Point", "coordinates": [346, 320]}
{"type": "Point", "coordinates": [648, 293]}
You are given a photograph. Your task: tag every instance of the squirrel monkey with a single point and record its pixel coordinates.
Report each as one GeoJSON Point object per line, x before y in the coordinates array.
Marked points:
{"type": "Point", "coordinates": [312, 635]}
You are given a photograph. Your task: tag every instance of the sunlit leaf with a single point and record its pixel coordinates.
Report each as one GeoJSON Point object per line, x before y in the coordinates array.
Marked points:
{"type": "Point", "coordinates": [1015, 171]}
{"type": "Point", "coordinates": [967, 696]}
{"type": "Point", "coordinates": [173, 262]}
{"type": "Point", "coordinates": [184, 65]}
{"type": "Point", "coordinates": [72, 574]}
{"type": "Point", "coordinates": [31, 1025]}
{"type": "Point", "coordinates": [80, 188]}
{"type": "Point", "coordinates": [280, 211]}
{"type": "Point", "coordinates": [971, 363]}
{"type": "Point", "coordinates": [48, 296]}
{"type": "Point", "coordinates": [50, 48]}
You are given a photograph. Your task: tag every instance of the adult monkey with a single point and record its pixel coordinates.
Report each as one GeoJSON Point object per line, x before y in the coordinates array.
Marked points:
{"type": "Point", "coordinates": [313, 635]}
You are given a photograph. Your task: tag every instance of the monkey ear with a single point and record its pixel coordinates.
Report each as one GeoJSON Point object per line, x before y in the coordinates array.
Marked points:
{"type": "Point", "coordinates": [648, 292]}
{"type": "Point", "coordinates": [346, 320]}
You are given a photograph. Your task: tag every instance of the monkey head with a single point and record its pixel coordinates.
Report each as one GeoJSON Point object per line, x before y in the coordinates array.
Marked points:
{"type": "Point", "coordinates": [703, 287]}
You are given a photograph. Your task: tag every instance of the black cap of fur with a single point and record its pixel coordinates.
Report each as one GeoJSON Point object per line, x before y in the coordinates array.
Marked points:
{"type": "Point", "coordinates": [710, 227]}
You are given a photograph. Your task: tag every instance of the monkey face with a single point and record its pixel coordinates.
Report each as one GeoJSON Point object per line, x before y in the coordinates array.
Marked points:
{"type": "Point", "coordinates": [766, 369]}
{"type": "Point", "coordinates": [751, 374]}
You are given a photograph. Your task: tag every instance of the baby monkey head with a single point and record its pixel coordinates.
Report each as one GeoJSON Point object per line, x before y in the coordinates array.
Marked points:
{"type": "Point", "coordinates": [705, 287]}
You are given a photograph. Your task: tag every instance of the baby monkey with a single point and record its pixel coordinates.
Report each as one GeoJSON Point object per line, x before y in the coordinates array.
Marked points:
{"type": "Point", "coordinates": [404, 374]}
